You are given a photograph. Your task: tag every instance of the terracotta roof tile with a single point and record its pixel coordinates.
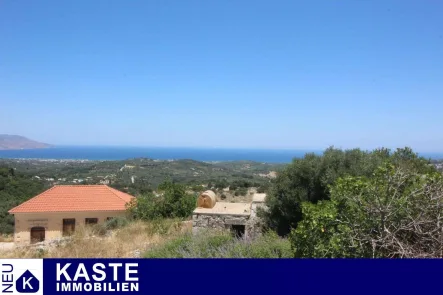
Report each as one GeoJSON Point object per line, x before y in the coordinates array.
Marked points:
{"type": "Point", "coordinates": [71, 198]}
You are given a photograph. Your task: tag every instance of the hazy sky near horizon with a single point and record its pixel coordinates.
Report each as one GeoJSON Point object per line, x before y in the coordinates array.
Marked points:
{"type": "Point", "coordinates": [263, 74]}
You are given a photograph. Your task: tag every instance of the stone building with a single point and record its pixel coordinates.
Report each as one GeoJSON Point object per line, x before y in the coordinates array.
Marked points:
{"type": "Point", "coordinates": [239, 218]}
{"type": "Point", "coordinates": [59, 210]}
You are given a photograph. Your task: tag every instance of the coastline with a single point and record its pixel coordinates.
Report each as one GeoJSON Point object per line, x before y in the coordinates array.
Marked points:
{"type": "Point", "coordinates": [127, 153]}
{"type": "Point", "coordinates": [209, 155]}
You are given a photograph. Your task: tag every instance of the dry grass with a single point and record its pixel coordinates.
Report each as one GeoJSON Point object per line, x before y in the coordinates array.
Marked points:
{"type": "Point", "coordinates": [6, 238]}
{"type": "Point", "coordinates": [129, 241]}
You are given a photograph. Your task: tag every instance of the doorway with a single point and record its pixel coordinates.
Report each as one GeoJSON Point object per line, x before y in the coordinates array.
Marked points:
{"type": "Point", "coordinates": [237, 230]}
{"type": "Point", "coordinates": [37, 234]}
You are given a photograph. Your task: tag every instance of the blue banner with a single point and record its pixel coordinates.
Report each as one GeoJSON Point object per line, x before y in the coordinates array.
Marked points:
{"type": "Point", "coordinates": [219, 276]}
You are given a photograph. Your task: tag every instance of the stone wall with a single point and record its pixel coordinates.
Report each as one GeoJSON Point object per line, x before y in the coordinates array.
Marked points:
{"type": "Point", "coordinates": [216, 221]}
{"type": "Point", "coordinates": [224, 221]}
{"type": "Point", "coordinates": [254, 224]}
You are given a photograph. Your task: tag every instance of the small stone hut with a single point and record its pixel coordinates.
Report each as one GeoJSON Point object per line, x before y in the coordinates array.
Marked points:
{"type": "Point", "coordinates": [239, 218]}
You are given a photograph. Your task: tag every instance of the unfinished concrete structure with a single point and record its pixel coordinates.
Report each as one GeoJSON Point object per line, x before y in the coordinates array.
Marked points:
{"type": "Point", "coordinates": [239, 218]}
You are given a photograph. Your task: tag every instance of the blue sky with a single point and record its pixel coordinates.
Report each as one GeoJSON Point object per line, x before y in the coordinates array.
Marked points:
{"type": "Point", "coordinates": [262, 74]}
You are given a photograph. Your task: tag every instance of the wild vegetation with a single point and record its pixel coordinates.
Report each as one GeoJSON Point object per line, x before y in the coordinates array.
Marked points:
{"type": "Point", "coordinates": [129, 240]}
{"type": "Point", "coordinates": [171, 201]}
{"type": "Point", "coordinates": [360, 204]}
{"type": "Point", "coordinates": [222, 245]}
{"type": "Point", "coordinates": [161, 238]}
{"type": "Point", "coordinates": [139, 176]}
{"type": "Point", "coordinates": [150, 180]}
{"type": "Point", "coordinates": [344, 203]}
{"type": "Point", "coordinates": [15, 188]}
{"type": "Point", "coordinates": [309, 179]}
{"type": "Point", "coordinates": [395, 213]}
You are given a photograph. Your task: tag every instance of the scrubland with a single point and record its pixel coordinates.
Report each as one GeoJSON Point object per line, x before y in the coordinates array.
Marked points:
{"type": "Point", "coordinates": [166, 238]}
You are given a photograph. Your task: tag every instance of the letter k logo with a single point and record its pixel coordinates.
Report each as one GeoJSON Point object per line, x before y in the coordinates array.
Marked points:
{"type": "Point", "coordinates": [27, 283]}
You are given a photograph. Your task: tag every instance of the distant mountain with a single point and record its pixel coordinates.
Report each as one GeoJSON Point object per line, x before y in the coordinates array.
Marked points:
{"type": "Point", "coordinates": [16, 142]}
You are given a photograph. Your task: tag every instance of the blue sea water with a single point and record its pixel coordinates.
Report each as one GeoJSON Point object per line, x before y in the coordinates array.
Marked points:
{"type": "Point", "coordinates": [166, 153]}
{"type": "Point", "coordinates": [122, 153]}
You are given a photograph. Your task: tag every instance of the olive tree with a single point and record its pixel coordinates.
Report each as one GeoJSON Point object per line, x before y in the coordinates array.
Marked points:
{"type": "Point", "coordinates": [309, 179]}
{"type": "Point", "coordinates": [171, 201]}
{"type": "Point", "coordinates": [397, 212]}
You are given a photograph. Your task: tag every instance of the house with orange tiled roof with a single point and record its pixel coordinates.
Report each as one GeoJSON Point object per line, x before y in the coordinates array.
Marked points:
{"type": "Point", "coordinates": [59, 210]}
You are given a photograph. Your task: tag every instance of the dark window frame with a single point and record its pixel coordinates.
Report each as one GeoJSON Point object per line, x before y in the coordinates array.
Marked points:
{"type": "Point", "coordinates": [65, 223]}
{"type": "Point", "coordinates": [91, 221]}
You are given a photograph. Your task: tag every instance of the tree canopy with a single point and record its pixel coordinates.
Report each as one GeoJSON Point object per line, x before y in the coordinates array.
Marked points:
{"type": "Point", "coordinates": [15, 188]}
{"type": "Point", "coordinates": [397, 212]}
{"type": "Point", "coordinates": [172, 201]}
{"type": "Point", "coordinates": [309, 179]}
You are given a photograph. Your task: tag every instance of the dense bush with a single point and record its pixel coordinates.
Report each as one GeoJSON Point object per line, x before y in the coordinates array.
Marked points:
{"type": "Point", "coordinates": [241, 192]}
{"type": "Point", "coordinates": [263, 188]}
{"type": "Point", "coordinates": [237, 184]}
{"type": "Point", "coordinates": [196, 188]}
{"type": "Point", "coordinates": [222, 245]}
{"type": "Point", "coordinates": [308, 179]}
{"type": "Point", "coordinates": [116, 222]}
{"type": "Point", "coordinates": [397, 212]}
{"type": "Point", "coordinates": [103, 229]}
{"type": "Point", "coordinates": [15, 188]}
{"type": "Point", "coordinates": [173, 201]}
{"type": "Point", "coordinates": [221, 184]}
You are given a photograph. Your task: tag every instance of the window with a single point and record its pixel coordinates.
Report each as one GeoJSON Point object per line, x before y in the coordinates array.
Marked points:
{"type": "Point", "coordinates": [68, 226]}
{"type": "Point", "coordinates": [91, 221]}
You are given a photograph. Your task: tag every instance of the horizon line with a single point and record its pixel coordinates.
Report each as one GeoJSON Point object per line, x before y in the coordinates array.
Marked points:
{"type": "Point", "coordinates": [310, 149]}
{"type": "Point", "coordinates": [298, 149]}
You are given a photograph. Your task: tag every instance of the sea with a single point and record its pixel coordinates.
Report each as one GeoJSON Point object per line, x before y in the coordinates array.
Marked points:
{"type": "Point", "coordinates": [165, 153]}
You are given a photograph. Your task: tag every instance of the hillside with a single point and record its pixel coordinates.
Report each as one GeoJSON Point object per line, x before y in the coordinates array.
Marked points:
{"type": "Point", "coordinates": [21, 179]}
{"type": "Point", "coordinates": [17, 142]}
{"type": "Point", "coordinates": [15, 188]}
{"type": "Point", "coordinates": [140, 175]}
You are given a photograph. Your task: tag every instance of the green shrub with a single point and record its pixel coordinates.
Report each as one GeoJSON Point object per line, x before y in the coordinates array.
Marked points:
{"type": "Point", "coordinates": [222, 245]}
{"type": "Point", "coordinates": [241, 192]}
{"type": "Point", "coordinates": [394, 213]}
{"type": "Point", "coordinates": [270, 245]}
{"type": "Point", "coordinates": [221, 184]}
{"type": "Point", "coordinates": [116, 222]}
{"type": "Point", "coordinates": [99, 229]}
{"type": "Point", "coordinates": [263, 188]}
{"type": "Point", "coordinates": [171, 249]}
{"type": "Point", "coordinates": [15, 188]}
{"type": "Point", "coordinates": [308, 179]}
{"type": "Point", "coordinates": [172, 202]}
{"type": "Point", "coordinates": [197, 188]}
